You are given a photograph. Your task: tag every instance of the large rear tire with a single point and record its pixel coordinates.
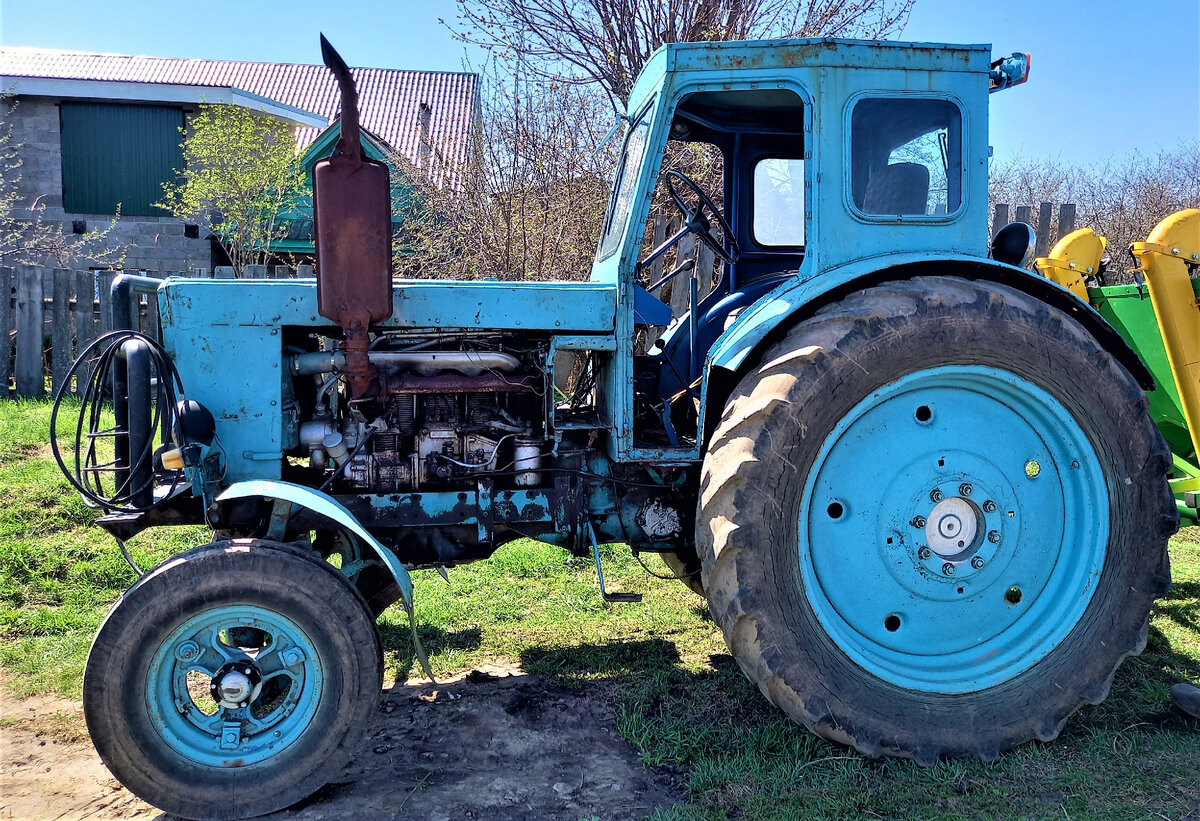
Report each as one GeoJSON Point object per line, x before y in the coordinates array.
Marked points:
{"type": "Point", "coordinates": [933, 521]}
{"type": "Point", "coordinates": [232, 680]}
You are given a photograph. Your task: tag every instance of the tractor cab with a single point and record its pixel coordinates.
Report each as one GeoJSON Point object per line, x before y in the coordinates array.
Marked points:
{"type": "Point", "coordinates": [779, 161]}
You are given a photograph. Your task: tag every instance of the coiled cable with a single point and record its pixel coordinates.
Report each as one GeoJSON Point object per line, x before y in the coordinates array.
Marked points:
{"type": "Point", "coordinates": [91, 461]}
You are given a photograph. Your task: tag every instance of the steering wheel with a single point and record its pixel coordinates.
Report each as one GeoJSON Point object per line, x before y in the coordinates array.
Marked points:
{"type": "Point", "coordinates": [694, 219]}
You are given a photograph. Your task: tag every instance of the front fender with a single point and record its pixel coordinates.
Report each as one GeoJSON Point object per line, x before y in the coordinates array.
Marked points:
{"type": "Point", "coordinates": [795, 300]}
{"type": "Point", "coordinates": [330, 508]}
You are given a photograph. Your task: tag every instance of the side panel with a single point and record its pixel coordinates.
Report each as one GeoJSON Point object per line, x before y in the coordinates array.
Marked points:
{"type": "Point", "coordinates": [225, 337]}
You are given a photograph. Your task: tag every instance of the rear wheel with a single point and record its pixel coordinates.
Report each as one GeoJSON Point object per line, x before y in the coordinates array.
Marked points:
{"type": "Point", "coordinates": [933, 522]}
{"type": "Point", "coordinates": [232, 680]}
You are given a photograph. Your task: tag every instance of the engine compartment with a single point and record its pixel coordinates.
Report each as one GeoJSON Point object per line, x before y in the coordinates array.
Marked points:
{"type": "Point", "coordinates": [440, 410]}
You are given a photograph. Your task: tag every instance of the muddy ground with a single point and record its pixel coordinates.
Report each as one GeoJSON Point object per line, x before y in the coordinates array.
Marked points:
{"type": "Point", "coordinates": [493, 744]}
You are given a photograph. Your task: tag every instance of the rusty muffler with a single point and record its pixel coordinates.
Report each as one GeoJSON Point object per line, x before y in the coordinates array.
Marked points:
{"type": "Point", "coordinates": [352, 222]}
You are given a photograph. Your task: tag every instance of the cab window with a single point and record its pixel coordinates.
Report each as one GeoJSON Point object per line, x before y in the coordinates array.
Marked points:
{"type": "Point", "coordinates": [778, 205]}
{"type": "Point", "coordinates": [626, 182]}
{"type": "Point", "coordinates": [906, 157]}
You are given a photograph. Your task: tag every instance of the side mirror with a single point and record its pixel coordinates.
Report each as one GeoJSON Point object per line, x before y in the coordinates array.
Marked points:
{"type": "Point", "coordinates": [1009, 71]}
{"type": "Point", "coordinates": [1014, 244]}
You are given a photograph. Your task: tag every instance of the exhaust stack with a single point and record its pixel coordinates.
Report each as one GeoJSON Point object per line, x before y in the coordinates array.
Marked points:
{"type": "Point", "coordinates": [352, 221]}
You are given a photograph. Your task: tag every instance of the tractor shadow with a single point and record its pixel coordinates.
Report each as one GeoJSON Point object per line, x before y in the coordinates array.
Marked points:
{"type": "Point", "coordinates": [545, 737]}
{"type": "Point", "coordinates": [502, 741]}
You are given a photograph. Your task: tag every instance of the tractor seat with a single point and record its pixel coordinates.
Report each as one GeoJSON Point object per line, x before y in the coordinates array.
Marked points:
{"type": "Point", "coordinates": [899, 188]}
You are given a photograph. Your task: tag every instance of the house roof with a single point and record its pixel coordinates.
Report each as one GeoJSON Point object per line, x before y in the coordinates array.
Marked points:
{"type": "Point", "coordinates": [390, 100]}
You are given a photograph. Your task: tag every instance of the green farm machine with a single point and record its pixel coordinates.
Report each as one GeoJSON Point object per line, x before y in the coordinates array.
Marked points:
{"type": "Point", "coordinates": [919, 485]}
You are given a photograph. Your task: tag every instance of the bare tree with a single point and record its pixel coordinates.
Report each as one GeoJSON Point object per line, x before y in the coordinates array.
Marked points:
{"type": "Point", "coordinates": [1122, 199]}
{"type": "Point", "coordinates": [608, 41]}
{"type": "Point", "coordinates": [529, 204]}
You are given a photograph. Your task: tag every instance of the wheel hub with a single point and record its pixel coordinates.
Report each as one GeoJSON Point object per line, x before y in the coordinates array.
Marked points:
{"type": "Point", "coordinates": [953, 527]}
{"type": "Point", "coordinates": [236, 685]}
{"type": "Point", "coordinates": [933, 556]}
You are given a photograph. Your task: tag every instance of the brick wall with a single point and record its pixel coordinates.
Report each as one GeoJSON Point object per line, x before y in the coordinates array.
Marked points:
{"type": "Point", "coordinates": [153, 243]}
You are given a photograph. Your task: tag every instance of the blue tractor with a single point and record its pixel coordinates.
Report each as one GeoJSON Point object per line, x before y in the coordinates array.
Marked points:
{"type": "Point", "coordinates": [917, 483]}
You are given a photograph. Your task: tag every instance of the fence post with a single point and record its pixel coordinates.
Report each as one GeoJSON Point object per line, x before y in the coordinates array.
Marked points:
{"type": "Point", "coordinates": [85, 318]}
{"type": "Point", "coordinates": [999, 219]}
{"type": "Point", "coordinates": [223, 272]}
{"type": "Point", "coordinates": [254, 272]}
{"type": "Point", "coordinates": [150, 326]}
{"type": "Point", "coordinates": [304, 271]}
{"type": "Point", "coordinates": [105, 279]}
{"type": "Point", "coordinates": [679, 287]}
{"type": "Point", "coordinates": [61, 328]}
{"type": "Point", "coordinates": [30, 318]}
{"type": "Point", "coordinates": [6, 328]}
{"type": "Point", "coordinates": [1045, 214]}
{"type": "Point", "coordinates": [705, 265]}
{"type": "Point", "coordinates": [1066, 219]}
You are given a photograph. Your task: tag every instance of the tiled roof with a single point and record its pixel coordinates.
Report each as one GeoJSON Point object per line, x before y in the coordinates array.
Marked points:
{"type": "Point", "coordinates": [389, 99]}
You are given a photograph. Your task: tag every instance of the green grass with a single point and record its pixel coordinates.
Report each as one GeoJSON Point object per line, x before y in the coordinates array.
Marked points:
{"type": "Point", "coordinates": [679, 698]}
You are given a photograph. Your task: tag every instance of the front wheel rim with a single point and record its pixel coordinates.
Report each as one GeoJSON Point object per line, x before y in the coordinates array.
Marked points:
{"type": "Point", "coordinates": [953, 529]}
{"type": "Point", "coordinates": [262, 665]}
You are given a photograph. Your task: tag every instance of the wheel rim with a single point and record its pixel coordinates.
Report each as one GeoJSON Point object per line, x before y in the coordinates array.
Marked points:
{"type": "Point", "coordinates": [953, 529]}
{"type": "Point", "coordinates": [234, 686]}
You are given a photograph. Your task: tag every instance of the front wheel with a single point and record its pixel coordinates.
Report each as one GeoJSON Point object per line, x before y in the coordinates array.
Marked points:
{"type": "Point", "coordinates": [933, 522]}
{"type": "Point", "coordinates": [232, 680]}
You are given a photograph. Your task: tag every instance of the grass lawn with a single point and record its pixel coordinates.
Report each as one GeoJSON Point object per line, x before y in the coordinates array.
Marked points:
{"type": "Point", "coordinates": [680, 698]}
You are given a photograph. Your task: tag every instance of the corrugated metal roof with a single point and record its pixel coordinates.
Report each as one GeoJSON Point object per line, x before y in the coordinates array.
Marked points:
{"type": "Point", "coordinates": [389, 99]}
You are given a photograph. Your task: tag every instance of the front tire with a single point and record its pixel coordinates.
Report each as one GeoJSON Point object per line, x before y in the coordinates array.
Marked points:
{"type": "Point", "coordinates": [933, 522]}
{"type": "Point", "coordinates": [232, 680]}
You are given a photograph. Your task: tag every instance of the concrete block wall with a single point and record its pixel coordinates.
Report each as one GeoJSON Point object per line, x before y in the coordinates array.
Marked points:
{"type": "Point", "coordinates": [152, 243]}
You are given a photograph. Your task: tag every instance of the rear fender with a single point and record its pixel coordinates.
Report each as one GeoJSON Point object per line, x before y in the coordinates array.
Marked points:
{"type": "Point", "coordinates": [765, 322]}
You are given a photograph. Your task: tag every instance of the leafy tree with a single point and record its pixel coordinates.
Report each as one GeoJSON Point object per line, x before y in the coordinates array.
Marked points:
{"type": "Point", "coordinates": [240, 170]}
{"type": "Point", "coordinates": [26, 236]}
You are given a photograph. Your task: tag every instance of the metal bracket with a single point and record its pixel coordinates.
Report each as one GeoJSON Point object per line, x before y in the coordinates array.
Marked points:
{"type": "Point", "coordinates": [604, 594]}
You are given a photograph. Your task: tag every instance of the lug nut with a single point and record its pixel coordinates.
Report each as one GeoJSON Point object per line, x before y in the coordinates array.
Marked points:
{"type": "Point", "coordinates": [935, 496]}
{"type": "Point", "coordinates": [994, 536]}
{"type": "Point", "coordinates": [965, 489]}
{"type": "Point", "coordinates": [918, 522]}
{"type": "Point", "coordinates": [977, 562]}
{"type": "Point", "coordinates": [924, 553]}
{"type": "Point", "coordinates": [948, 569]}
{"type": "Point", "coordinates": [989, 506]}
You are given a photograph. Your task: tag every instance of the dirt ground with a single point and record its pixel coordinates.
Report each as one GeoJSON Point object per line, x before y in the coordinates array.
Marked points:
{"type": "Point", "coordinates": [493, 744]}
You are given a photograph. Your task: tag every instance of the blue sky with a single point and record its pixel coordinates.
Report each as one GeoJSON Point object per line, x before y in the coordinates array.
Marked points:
{"type": "Point", "coordinates": [1098, 89]}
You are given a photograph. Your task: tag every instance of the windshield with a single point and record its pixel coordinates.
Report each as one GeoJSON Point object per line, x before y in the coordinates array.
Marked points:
{"type": "Point", "coordinates": [626, 181]}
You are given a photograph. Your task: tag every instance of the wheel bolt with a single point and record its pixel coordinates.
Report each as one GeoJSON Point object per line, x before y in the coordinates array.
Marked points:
{"type": "Point", "coordinates": [977, 562]}
{"type": "Point", "coordinates": [994, 536]}
{"type": "Point", "coordinates": [924, 553]}
{"type": "Point", "coordinates": [935, 495]}
{"type": "Point", "coordinates": [965, 489]}
{"type": "Point", "coordinates": [948, 569]}
{"type": "Point", "coordinates": [918, 522]}
{"type": "Point", "coordinates": [989, 506]}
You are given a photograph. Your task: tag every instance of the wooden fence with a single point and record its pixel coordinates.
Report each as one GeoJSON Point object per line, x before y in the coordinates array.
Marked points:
{"type": "Point", "coordinates": [50, 315]}
{"type": "Point", "coordinates": [1049, 230]}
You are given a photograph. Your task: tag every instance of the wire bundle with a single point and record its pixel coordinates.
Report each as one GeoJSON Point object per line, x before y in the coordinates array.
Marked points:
{"type": "Point", "coordinates": [91, 463]}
